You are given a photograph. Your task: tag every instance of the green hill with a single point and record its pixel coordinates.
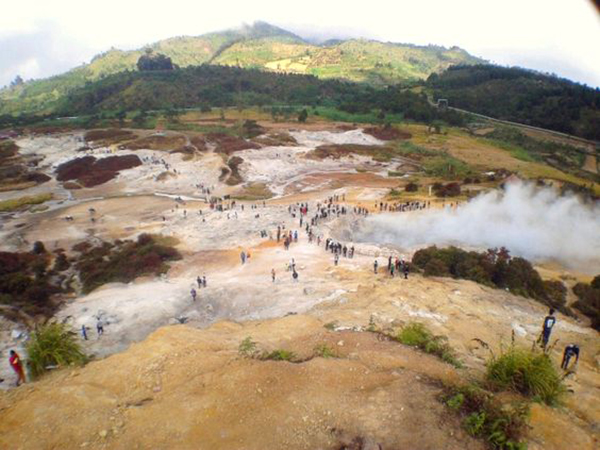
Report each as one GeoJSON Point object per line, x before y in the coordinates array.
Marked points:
{"type": "Point", "coordinates": [261, 46]}
{"type": "Point", "coordinates": [521, 95]}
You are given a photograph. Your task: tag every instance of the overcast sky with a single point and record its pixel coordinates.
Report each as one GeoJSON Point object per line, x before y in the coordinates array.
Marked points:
{"type": "Point", "coordinates": [39, 38]}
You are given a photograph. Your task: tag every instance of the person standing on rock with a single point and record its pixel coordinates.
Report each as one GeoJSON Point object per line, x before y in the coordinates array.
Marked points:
{"type": "Point", "coordinates": [17, 365]}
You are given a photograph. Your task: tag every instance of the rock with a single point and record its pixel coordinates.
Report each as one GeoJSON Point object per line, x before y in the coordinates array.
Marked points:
{"type": "Point", "coordinates": [103, 434]}
{"type": "Point", "coordinates": [340, 343]}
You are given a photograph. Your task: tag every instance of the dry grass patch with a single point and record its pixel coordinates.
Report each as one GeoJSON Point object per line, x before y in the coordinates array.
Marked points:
{"type": "Point", "coordinates": [22, 202]}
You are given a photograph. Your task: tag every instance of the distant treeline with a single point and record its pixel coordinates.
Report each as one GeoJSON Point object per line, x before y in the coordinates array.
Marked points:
{"type": "Point", "coordinates": [225, 86]}
{"type": "Point", "coordinates": [523, 96]}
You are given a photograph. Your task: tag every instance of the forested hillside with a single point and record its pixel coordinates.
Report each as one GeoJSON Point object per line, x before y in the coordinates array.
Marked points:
{"type": "Point", "coordinates": [260, 46]}
{"type": "Point", "coordinates": [523, 96]}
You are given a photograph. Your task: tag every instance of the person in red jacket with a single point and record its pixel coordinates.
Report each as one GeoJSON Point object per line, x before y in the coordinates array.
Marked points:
{"type": "Point", "coordinates": [17, 365]}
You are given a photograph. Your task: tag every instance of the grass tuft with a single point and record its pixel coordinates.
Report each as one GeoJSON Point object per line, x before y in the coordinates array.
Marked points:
{"type": "Point", "coordinates": [53, 345]}
{"type": "Point", "coordinates": [502, 426]}
{"type": "Point", "coordinates": [418, 335]}
{"type": "Point", "coordinates": [529, 372]}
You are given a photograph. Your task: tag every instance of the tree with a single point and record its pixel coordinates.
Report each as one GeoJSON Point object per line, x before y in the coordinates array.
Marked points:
{"type": "Point", "coordinates": [303, 116]}
{"type": "Point", "coordinates": [121, 117]}
{"type": "Point", "coordinates": [150, 61]}
{"type": "Point", "coordinates": [18, 81]}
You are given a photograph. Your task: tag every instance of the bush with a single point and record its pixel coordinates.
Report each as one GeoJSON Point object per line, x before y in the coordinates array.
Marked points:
{"type": "Point", "coordinates": [122, 261]}
{"type": "Point", "coordinates": [38, 247]}
{"type": "Point", "coordinates": [411, 187]}
{"type": "Point", "coordinates": [53, 345]}
{"type": "Point", "coordinates": [418, 335]}
{"type": "Point", "coordinates": [247, 348]}
{"type": "Point", "coordinates": [325, 351]}
{"type": "Point", "coordinates": [589, 300]}
{"type": "Point", "coordinates": [495, 268]}
{"type": "Point", "coordinates": [528, 372]}
{"type": "Point", "coordinates": [502, 426]}
{"type": "Point", "coordinates": [279, 355]}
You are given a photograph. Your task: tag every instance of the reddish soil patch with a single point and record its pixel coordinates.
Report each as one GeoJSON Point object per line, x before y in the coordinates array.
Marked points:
{"type": "Point", "coordinates": [387, 133]}
{"type": "Point", "coordinates": [228, 144]}
{"type": "Point", "coordinates": [199, 142]}
{"type": "Point", "coordinates": [88, 171]}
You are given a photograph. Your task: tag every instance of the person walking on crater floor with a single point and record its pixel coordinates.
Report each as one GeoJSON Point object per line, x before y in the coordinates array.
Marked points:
{"type": "Point", "coordinates": [193, 293]}
{"type": "Point", "coordinates": [17, 365]}
{"type": "Point", "coordinates": [375, 265]}
{"type": "Point", "coordinates": [100, 328]}
{"type": "Point", "coordinates": [273, 275]}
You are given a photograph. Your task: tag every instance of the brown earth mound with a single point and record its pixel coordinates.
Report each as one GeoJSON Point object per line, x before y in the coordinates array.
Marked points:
{"type": "Point", "coordinates": [228, 144]}
{"type": "Point", "coordinates": [109, 136]}
{"type": "Point", "coordinates": [184, 388]}
{"type": "Point", "coordinates": [88, 171]}
{"type": "Point", "coordinates": [339, 151]}
{"type": "Point", "coordinates": [158, 142]}
{"type": "Point", "coordinates": [387, 133]}
{"type": "Point", "coordinates": [276, 139]}
{"type": "Point", "coordinates": [235, 177]}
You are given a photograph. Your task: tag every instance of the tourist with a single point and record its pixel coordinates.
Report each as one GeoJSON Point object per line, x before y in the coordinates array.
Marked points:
{"type": "Point", "coordinates": [375, 265]}
{"type": "Point", "coordinates": [243, 257]}
{"type": "Point", "coordinates": [199, 281]}
{"type": "Point", "coordinates": [549, 322]}
{"type": "Point", "coordinates": [405, 270]}
{"type": "Point", "coordinates": [570, 351]}
{"type": "Point", "coordinates": [100, 328]}
{"type": "Point", "coordinates": [273, 275]}
{"type": "Point", "coordinates": [17, 365]}
{"type": "Point", "coordinates": [84, 332]}
{"type": "Point", "coordinates": [295, 275]}
{"type": "Point", "coordinates": [194, 293]}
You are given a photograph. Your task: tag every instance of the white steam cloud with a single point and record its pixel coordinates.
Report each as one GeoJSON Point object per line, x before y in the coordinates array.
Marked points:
{"type": "Point", "coordinates": [535, 223]}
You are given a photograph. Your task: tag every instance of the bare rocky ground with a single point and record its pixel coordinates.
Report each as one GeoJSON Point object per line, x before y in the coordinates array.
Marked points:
{"type": "Point", "coordinates": [185, 386]}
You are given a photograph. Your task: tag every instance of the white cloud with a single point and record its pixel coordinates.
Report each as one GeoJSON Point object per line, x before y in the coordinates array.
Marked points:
{"type": "Point", "coordinates": [554, 35]}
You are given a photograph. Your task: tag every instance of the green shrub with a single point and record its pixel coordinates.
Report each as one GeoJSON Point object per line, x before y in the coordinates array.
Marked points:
{"type": "Point", "coordinates": [53, 345]}
{"type": "Point", "coordinates": [501, 426]}
{"type": "Point", "coordinates": [528, 372]}
{"type": "Point", "coordinates": [325, 351]}
{"type": "Point", "coordinates": [247, 348]}
{"type": "Point", "coordinates": [280, 355]}
{"type": "Point", "coordinates": [122, 261]}
{"type": "Point", "coordinates": [418, 335]}
{"type": "Point", "coordinates": [589, 300]}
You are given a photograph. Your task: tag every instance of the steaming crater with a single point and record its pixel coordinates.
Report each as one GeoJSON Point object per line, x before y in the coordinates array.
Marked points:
{"type": "Point", "coordinates": [535, 223]}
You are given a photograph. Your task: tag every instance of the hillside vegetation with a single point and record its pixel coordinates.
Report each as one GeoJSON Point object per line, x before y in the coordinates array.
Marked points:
{"type": "Point", "coordinates": [258, 46]}
{"type": "Point", "coordinates": [522, 96]}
